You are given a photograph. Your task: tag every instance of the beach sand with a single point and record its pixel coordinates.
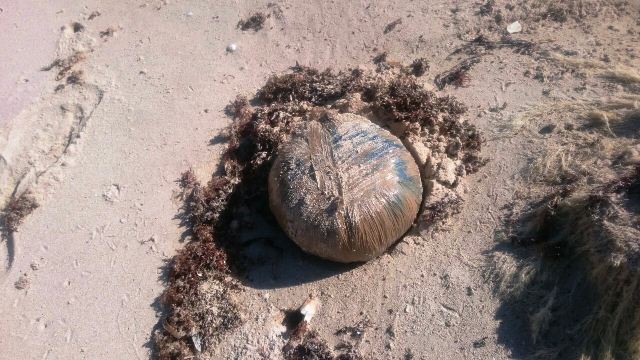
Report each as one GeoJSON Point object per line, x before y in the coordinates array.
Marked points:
{"type": "Point", "coordinates": [102, 156]}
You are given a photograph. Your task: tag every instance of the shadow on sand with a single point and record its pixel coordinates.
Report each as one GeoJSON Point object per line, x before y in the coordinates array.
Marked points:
{"type": "Point", "coordinates": [271, 260]}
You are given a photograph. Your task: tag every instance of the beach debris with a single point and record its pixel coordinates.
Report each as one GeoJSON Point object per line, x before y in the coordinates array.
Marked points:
{"type": "Point", "coordinates": [487, 8]}
{"type": "Point", "coordinates": [298, 321]}
{"type": "Point", "coordinates": [197, 342]}
{"type": "Point", "coordinates": [311, 347]}
{"type": "Point", "coordinates": [306, 344]}
{"type": "Point", "coordinates": [94, 15]}
{"type": "Point", "coordinates": [383, 63]}
{"type": "Point", "coordinates": [35, 265]}
{"type": "Point", "coordinates": [357, 331]}
{"type": "Point", "coordinates": [255, 22]}
{"type": "Point", "coordinates": [172, 330]}
{"type": "Point", "coordinates": [547, 129]}
{"type": "Point", "coordinates": [109, 32]}
{"type": "Point", "coordinates": [77, 27]}
{"type": "Point", "coordinates": [231, 48]}
{"type": "Point", "coordinates": [23, 282]}
{"type": "Point", "coordinates": [380, 58]}
{"type": "Point", "coordinates": [75, 77]}
{"type": "Point", "coordinates": [16, 210]}
{"type": "Point", "coordinates": [65, 65]}
{"type": "Point", "coordinates": [310, 308]}
{"type": "Point", "coordinates": [112, 193]}
{"type": "Point", "coordinates": [458, 75]}
{"type": "Point", "coordinates": [418, 67]}
{"type": "Point", "coordinates": [480, 343]}
{"type": "Point", "coordinates": [476, 46]}
{"type": "Point", "coordinates": [514, 27]}
{"type": "Point", "coordinates": [316, 217]}
{"type": "Point", "coordinates": [392, 25]}
{"type": "Point", "coordinates": [408, 354]}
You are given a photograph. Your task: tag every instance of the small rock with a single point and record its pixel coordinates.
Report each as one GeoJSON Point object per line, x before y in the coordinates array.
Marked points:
{"type": "Point", "coordinates": [514, 27]}
{"type": "Point", "coordinates": [233, 47]}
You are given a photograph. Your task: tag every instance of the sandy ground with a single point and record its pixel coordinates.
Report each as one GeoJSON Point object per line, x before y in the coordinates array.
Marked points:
{"type": "Point", "coordinates": [152, 99]}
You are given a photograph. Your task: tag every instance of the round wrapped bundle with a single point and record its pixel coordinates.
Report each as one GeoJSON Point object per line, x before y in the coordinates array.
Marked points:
{"type": "Point", "coordinates": [344, 189]}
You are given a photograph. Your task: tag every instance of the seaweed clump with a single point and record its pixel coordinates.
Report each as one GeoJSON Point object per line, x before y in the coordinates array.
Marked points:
{"type": "Point", "coordinates": [255, 22]}
{"type": "Point", "coordinates": [312, 347]}
{"type": "Point", "coordinates": [577, 11]}
{"type": "Point", "coordinates": [201, 288]}
{"type": "Point", "coordinates": [458, 75]}
{"type": "Point", "coordinates": [65, 65]}
{"type": "Point", "coordinates": [200, 291]}
{"type": "Point", "coordinates": [16, 210]}
{"type": "Point", "coordinates": [418, 67]}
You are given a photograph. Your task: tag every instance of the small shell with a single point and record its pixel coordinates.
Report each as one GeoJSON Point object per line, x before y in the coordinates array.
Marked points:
{"type": "Point", "coordinates": [344, 189]}
{"type": "Point", "coordinates": [309, 308]}
{"type": "Point", "coordinates": [514, 27]}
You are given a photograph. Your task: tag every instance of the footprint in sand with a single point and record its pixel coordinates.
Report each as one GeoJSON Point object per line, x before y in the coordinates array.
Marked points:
{"type": "Point", "coordinates": [40, 141]}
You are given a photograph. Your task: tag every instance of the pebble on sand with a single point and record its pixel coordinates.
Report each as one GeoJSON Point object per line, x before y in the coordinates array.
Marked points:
{"type": "Point", "coordinates": [232, 47]}
{"type": "Point", "coordinates": [514, 27]}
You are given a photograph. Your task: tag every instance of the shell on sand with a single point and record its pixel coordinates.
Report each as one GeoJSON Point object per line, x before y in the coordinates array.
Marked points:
{"type": "Point", "coordinates": [344, 189]}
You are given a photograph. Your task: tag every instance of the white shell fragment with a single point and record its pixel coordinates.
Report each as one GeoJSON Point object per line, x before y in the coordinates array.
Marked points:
{"type": "Point", "coordinates": [344, 188]}
{"type": "Point", "coordinates": [197, 342]}
{"type": "Point", "coordinates": [309, 308]}
{"type": "Point", "coordinates": [514, 27]}
{"type": "Point", "coordinates": [232, 47]}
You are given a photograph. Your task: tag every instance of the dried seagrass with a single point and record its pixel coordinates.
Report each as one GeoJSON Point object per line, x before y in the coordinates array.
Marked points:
{"type": "Point", "coordinates": [344, 188]}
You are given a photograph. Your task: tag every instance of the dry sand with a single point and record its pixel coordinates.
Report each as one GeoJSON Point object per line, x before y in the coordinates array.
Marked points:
{"type": "Point", "coordinates": [151, 100]}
